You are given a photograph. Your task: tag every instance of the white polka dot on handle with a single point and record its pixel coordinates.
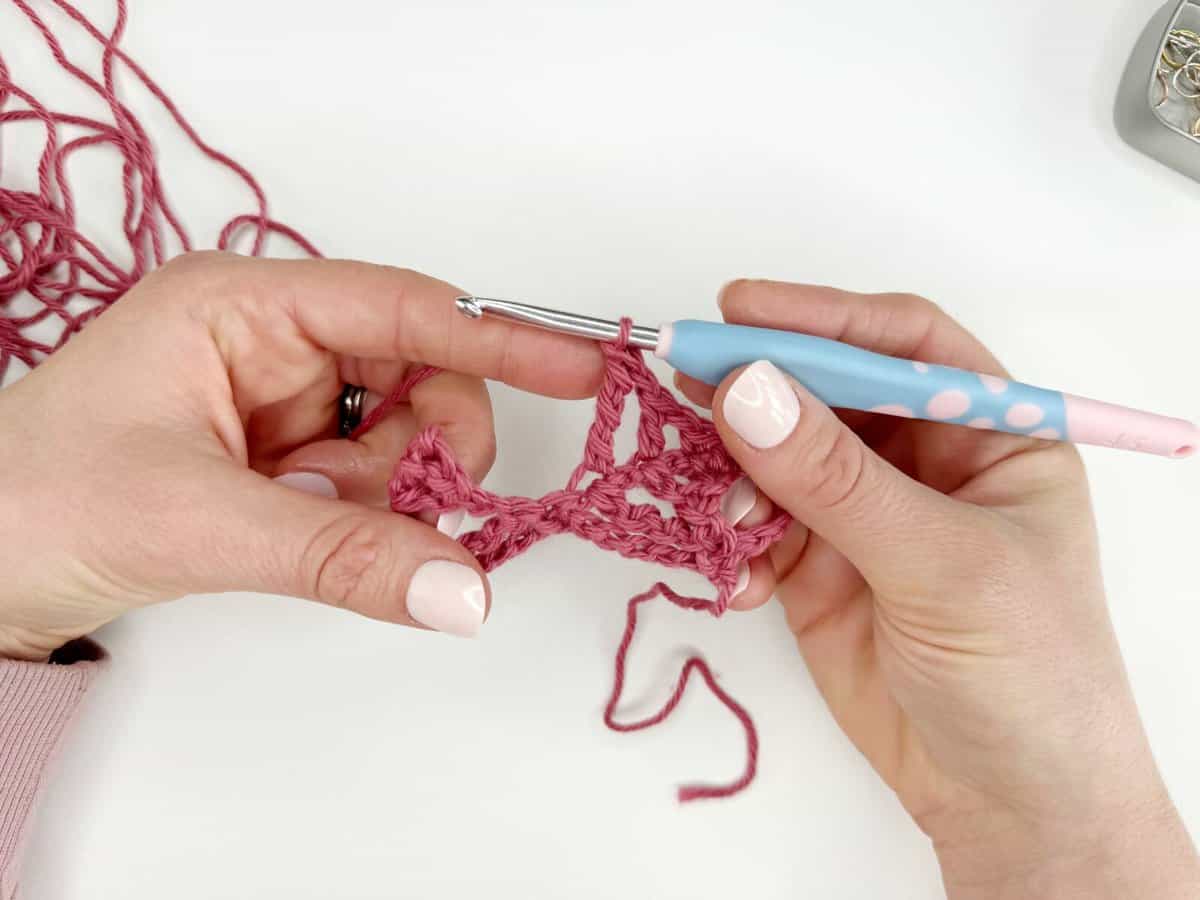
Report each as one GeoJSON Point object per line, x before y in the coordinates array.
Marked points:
{"type": "Point", "coordinates": [1024, 415]}
{"type": "Point", "coordinates": [993, 384]}
{"type": "Point", "coordinates": [894, 409]}
{"type": "Point", "coordinates": [921, 367]}
{"type": "Point", "coordinates": [1046, 434]}
{"type": "Point", "coordinates": [949, 404]}
{"type": "Point", "coordinates": [984, 424]}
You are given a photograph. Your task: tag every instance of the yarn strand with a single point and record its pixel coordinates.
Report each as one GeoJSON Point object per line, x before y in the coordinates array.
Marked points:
{"type": "Point", "coordinates": [48, 259]}
{"type": "Point", "coordinates": [687, 793]}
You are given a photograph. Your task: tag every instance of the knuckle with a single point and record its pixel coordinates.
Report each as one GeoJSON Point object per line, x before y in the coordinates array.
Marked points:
{"type": "Point", "coordinates": [399, 338]}
{"type": "Point", "coordinates": [405, 277]}
{"type": "Point", "coordinates": [901, 323]}
{"type": "Point", "coordinates": [403, 282]}
{"type": "Point", "coordinates": [180, 277]}
{"type": "Point", "coordinates": [910, 306]}
{"type": "Point", "coordinates": [1055, 470]}
{"type": "Point", "coordinates": [915, 304]}
{"type": "Point", "coordinates": [510, 363]}
{"type": "Point", "coordinates": [487, 451]}
{"type": "Point", "coordinates": [350, 564]}
{"type": "Point", "coordinates": [831, 468]}
{"type": "Point", "coordinates": [1063, 464]}
{"type": "Point", "coordinates": [198, 261]}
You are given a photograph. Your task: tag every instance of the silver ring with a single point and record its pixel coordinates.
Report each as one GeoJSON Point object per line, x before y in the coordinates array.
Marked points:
{"type": "Point", "coordinates": [350, 409]}
{"type": "Point", "coordinates": [1191, 71]}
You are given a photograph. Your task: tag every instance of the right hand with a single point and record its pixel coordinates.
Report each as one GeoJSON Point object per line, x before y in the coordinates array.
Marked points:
{"type": "Point", "coordinates": [944, 588]}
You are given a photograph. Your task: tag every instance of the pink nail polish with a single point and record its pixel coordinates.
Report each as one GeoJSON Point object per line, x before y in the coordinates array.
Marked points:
{"type": "Point", "coordinates": [308, 483]}
{"type": "Point", "coordinates": [370, 401]}
{"type": "Point", "coordinates": [448, 523]}
{"type": "Point", "coordinates": [447, 596]}
{"type": "Point", "coordinates": [722, 292]}
{"type": "Point", "coordinates": [761, 406]}
{"type": "Point", "coordinates": [743, 580]}
{"type": "Point", "coordinates": [739, 500]}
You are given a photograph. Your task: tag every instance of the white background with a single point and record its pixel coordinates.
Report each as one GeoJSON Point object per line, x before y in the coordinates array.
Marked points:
{"type": "Point", "coordinates": [620, 158]}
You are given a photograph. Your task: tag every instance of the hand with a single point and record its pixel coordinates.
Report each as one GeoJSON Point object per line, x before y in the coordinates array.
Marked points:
{"type": "Point", "coordinates": [136, 463]}
{"type": "Point", "coordinates": [943, 586]}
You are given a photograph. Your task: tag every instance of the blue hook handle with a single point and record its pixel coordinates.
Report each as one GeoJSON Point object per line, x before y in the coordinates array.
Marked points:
{"type": "Point", "coordinates": [849, 377]}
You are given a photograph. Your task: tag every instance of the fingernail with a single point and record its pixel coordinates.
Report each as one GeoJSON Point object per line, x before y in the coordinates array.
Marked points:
{"type": "Point", "coordinates": [739, 500]}
{"type": "Point", "coordinates": [761, 406]}
{"type": "Point", "coordinates": [448, 597]}
{"type": "Point", "coordinates": [370, 401]}
{"type": "Point", "coordinates": [743, 580]}
{"type": "Point", "coordinates": [448, 523]}
{"type": "Point", "coordinates": [721, 294]}
{"type": "Point", "coordinates": [309, 483]}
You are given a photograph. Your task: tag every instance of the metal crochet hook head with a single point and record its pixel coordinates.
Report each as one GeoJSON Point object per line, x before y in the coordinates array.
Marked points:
{"type": "Point", "coordinates": [556, 320]}
{"type": "Point", "coordinates": [469, 307]}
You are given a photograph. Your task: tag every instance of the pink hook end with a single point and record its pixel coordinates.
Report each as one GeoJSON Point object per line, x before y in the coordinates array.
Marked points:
{"type": "Point", "coordinates": [1108, 425]}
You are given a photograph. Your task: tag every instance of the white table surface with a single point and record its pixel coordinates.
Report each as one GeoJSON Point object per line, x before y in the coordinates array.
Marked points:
{"type": "Point", "coordinates": [622, 158]}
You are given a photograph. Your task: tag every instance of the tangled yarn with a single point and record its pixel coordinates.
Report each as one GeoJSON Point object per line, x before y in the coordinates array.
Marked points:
{"type": "Point", "coordinates": [54, 273]}
{"type": "Point", "coordinates": [47, 257]}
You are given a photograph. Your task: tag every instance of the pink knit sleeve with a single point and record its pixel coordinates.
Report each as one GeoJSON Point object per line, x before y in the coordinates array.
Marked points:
{"type": "Point", "coordinates": [37, 702]}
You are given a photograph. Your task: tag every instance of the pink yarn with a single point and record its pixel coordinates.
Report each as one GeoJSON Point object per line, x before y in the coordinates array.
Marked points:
{"type": "Point", "coordinates": [692, 477]}
{"type": "Point", "coordinates": [70, 279]}
{"type": "Point", "coordinates": [47, 257]}
{"type": "Point", "coordinates": [688, 792]}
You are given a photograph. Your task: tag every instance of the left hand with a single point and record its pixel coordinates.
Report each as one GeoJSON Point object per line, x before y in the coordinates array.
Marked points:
{"type": "Point", "coordinates": [136, 463]}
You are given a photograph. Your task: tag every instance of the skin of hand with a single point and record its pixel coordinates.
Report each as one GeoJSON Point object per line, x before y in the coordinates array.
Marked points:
{"type": "Point", "coordinates": [945, 592]}
{"type": "Point", "coordinates": [137, 463]}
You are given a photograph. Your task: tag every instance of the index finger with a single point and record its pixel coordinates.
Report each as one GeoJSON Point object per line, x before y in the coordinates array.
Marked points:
{"type": "Point", "coordinates": [902, 325]}
{"type": "Point", "coordinates": [380, 312]}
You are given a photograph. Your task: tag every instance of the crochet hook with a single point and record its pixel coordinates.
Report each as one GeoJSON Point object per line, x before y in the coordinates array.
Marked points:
{"type": "Point", "coordinates": [849, 377]}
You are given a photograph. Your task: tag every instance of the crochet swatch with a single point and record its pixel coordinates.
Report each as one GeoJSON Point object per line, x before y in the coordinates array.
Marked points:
{"type": "Point", "coordinates": [596, 505]}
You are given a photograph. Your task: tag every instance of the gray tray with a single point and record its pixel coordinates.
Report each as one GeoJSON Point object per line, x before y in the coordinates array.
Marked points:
{"type": "Point", "coordinates": [1159, 133]}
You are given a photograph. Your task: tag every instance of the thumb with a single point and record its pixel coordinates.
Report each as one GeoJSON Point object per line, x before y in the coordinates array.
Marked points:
{"type": "Point", "coordinates": [811, 464]}
{"type": "Point", "coordinates": [292, 536]}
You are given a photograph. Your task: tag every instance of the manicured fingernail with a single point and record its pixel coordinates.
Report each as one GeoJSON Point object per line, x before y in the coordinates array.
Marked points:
{"type": "Point", "coordinates": [370, 401]}
{"type": "Point", "coordinates": [449, 522]}
{"type": "Point", "coordinates": [309, 483]}
{"type": "Point", "coordinates": [739, 500]}
{"type": "Point", "coordinates": [743, 580]}
{"type": "Point", "coordinates": [447, 596]}
{"type": "Point", "coordinates": [761, 406]}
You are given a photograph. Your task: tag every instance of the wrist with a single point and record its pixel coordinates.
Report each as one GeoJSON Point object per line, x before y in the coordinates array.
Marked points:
{"type": "Point", "coordinates": [1128, 853]}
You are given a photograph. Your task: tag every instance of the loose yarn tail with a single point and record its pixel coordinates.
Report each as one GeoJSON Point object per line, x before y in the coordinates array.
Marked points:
{"type": "Point", "coordinates": [686, 793]}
